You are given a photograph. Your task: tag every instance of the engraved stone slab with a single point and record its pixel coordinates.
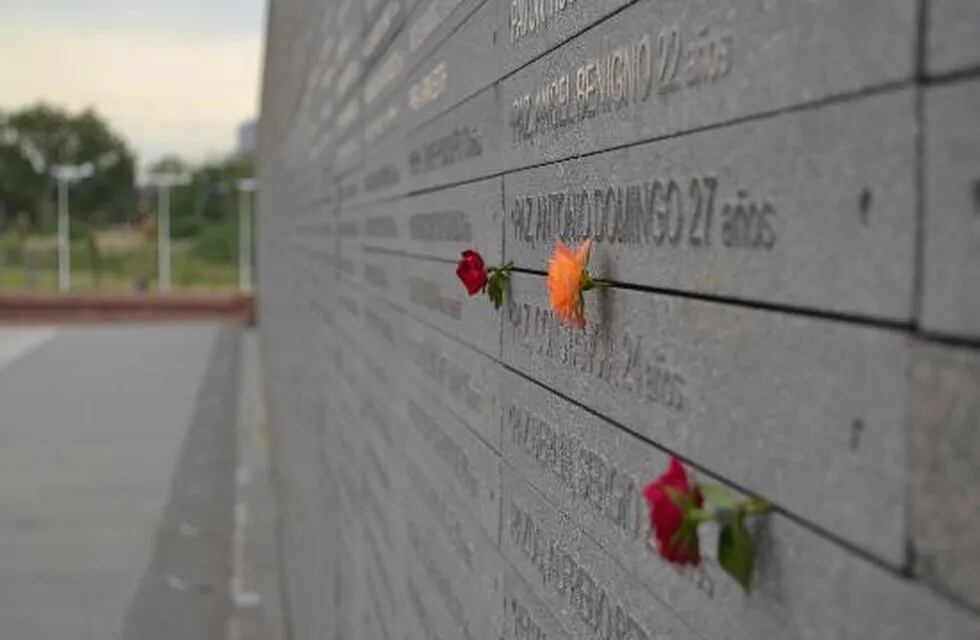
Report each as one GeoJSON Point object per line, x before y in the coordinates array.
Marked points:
{"type": "Point", "coordinates": [951, 298]}
{"type": "Point", "coordinates": [461, 66]}
{"type": "Point", "coordinates": [590, 594]}
{"type": "Point", "coordinates": [350, 193]}
{"type": "Point", "coordinates": [445, 551]}
{"type": "Point", "coordinates": [348, 52]}
{"type": "Point", "coordinates": [422, 603]}
{"type": "Point", "coordinates": [462, 144]}
{"type": "Point", "coordinates": [349, 595]}
{"type": "Point", "coordinates": [659, 68]}
{"type": "Point", "coordinates": [457, 146]}
{"type": "Point", "coordinates": [384, 605]}
{"type": "Point", "coordinates": [524, 616]}
{"type": "Point", "coordinates": [448, 452]}
{"type": "Point", "coordinates": [384, 174]}
{"type": "Point", "coordinates": [382, 22]}
{"type": "Point", "coordinates": [813, 208]}
{"type": "Point", "coordinates": [469, 565]}
{"type": "Point", "coordinates": [440, 224]}
{"type": "Point", "coordinates": [944, 454]}
{"type": "Point", "coordinates": [676, 371]}
{"type": "Point", "coordinates": [385, 90]}
{"type": "Point", "coordinates": [434, 20]}
{"type": "Point", "coordinates": [384, 119]}
{"type": "Point", "coordinates": [595, 473]}
{"type": "Point", "coordinates": [465, 381]}
{"type": "Point", "coordinates": [434, 602]}
{"type": "Point", "coordinates": [954, 35]}
{"type": "Point", "coordinates": [528, 28]}
{"type": "Point", "coordinates": [432, 292]}
{"type": "Point", "coordinates": [385, 578]}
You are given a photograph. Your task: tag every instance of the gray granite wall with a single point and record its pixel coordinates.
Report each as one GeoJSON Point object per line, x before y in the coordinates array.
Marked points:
{"type": "Point", "coordinates": [809, 280]}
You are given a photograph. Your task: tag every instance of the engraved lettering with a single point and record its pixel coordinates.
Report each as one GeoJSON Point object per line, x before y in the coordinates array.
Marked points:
{"type": "Point", "coordinates": [427, 294]}
{"type": "Point", "coordinates": [632, 73]}
{"type": "Point", "coordinates": [528, 17]}
{"type": "Point", "coordinates": [623, 361]}
{"type": "Point", "coordinates": [604, 613]}
{"type": "Point", "coordinates": [663, 211]}
{"type": "Point", "coordinates": [451, 453]}
{"type": "Point", "coordinates": [461, 144]}
{"type": "Point", "coordinates": [446, 373]}
{"type": "Point", "coordinates": [382, 178]}
{"type": "Point", "coordinates": [440, 226]}
{"type": "Point", "coordinates": [582, 471]}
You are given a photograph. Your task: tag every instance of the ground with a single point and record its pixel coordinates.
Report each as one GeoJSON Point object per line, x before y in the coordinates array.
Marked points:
{"type": "Point", "coordinates": [126, 454]}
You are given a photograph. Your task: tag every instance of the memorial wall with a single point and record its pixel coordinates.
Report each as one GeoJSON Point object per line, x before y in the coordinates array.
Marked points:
{"type": "Point", "coordinates": [783, 204]}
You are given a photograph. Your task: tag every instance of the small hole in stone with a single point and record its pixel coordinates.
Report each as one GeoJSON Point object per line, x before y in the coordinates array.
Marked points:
{"type": "Point", "coordinates": [864, 202]}
{"type": "Point", "coordinates": [856, 428]}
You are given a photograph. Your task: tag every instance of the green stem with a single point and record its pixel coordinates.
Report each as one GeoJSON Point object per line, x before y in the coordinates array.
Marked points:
{"type": "Point", "coordinates": [755, 506]}
{"type": "Point", "coordinates": [588, 283]}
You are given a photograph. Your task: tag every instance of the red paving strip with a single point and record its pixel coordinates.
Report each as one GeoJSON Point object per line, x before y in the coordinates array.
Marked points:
{"type": "Point", "coordinates": [18, 308]}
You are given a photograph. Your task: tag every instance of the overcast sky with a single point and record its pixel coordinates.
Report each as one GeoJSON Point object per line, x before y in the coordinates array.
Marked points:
{"type": "Point", "coordinates": [170, 75]}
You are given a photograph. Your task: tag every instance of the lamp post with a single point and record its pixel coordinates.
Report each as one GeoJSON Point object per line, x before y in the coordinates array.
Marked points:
{"type": "Point", "coordinates": [246, 188]}
{"type": "Point", "coordinates": [164, 181]}
{"type": "Point", "coordinates": [66, 174]}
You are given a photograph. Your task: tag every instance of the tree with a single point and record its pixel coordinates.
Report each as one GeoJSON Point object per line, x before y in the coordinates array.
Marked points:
{"type": "Point", "coordinates": [210, 197]}
{"type": "Point", "coordinates": [35, 139]}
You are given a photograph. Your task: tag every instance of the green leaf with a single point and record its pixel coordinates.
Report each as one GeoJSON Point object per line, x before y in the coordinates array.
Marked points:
{"type": "Point", "coordinates": [494, 292]}
{"type": "Point", "coordinates": [736, 555]}
{"type": "Point", "coordinates": [496, 285]}
{"type": "Point", "coordinates": [719, 496]}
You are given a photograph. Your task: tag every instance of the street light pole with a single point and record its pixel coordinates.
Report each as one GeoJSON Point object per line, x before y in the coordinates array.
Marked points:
{"type": "Point", "coordinates": [64, 255]}
{"type": "Point", "coordinates": [66, 174]}
{"type": "Point", "coordinates": [164, 181]}
{"type": "Point", "coordinates": [246, 189]}
{"type": "Point", "coordinates": [163, 237]}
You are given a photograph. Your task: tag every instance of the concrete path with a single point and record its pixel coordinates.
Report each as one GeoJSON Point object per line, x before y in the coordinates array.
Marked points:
{"type": "Point", "coordinates": [117, 459]}
{"type": "Point", "coordinates": [255, 583]}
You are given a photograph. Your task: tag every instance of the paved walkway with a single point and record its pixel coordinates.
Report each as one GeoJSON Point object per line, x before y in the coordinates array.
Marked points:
{"type": "Point", "coordinates": [117, 462]}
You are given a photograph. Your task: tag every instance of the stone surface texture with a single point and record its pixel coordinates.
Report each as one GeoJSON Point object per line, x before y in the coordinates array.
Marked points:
{"type": "Point", "coordinates": [783, 197]}
{"type": "Point", "coordinates": [951, 301]}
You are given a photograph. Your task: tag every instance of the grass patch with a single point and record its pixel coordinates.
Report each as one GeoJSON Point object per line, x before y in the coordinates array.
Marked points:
{"type": "Point", "coordinates": [114, 261]}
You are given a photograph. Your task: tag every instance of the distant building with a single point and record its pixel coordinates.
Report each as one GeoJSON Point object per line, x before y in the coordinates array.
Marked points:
{"type": "Point", "coordinates": [247, 132]}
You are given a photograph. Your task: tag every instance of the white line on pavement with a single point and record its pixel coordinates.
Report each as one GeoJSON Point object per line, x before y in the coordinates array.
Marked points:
{"type": "Point", "coordinates": [15, 342]}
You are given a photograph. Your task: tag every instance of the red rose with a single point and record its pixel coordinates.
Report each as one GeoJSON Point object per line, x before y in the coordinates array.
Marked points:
{"type": "Point", "coordinates": [666, 515]}
{"type": "Point", "coordinates": [471, 272]}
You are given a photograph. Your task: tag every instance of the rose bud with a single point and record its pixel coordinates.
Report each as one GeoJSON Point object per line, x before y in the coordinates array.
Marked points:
{"type": "Point", "coordinates": [669, 497]}
{"type": "Point", "coordinates": [471, 272]}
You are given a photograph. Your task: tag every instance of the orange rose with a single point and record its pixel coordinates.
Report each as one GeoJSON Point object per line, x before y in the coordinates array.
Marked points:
{"type": "Point", "coordinates": [567, 279]}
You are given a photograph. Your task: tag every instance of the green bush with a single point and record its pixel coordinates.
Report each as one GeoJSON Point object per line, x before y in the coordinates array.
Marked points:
{"type": "Point", "coordinates": [77, 229]}
{"type": "Point", "coordinates": [185, 227]}
{"type": "Point", "coordinates": [216, 243]}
